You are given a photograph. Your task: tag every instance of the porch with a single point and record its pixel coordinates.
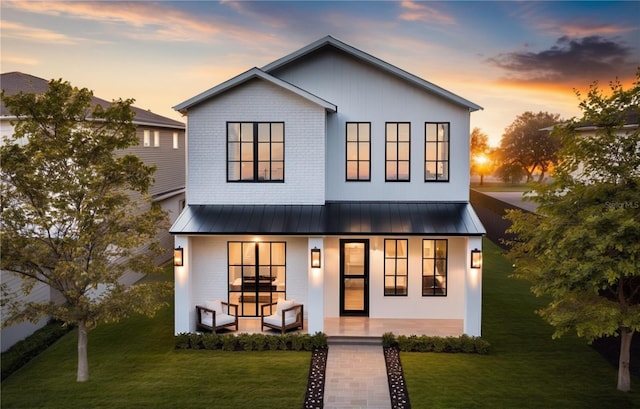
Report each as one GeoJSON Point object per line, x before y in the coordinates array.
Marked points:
{"type": "Point", "coordinates": [368, 327]}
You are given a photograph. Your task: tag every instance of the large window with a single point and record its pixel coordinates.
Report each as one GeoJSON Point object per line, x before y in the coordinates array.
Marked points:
{"type": "Point", "coordinates": [358, 151]}
{"type": "Point", "coordinates": [255, 152]}
{"type": "Point", "coordinates": [257, 274]}
{"type": "Point", "coordinates": [436, 155]}
{"type": "Point", "coordinates": [434, 267]}
{"type": "Point", "coordinates": [398, 151]}
{"type": "Point", "coordinates": [396, 264]}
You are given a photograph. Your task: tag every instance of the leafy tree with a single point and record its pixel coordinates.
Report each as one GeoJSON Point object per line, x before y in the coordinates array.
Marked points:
{"type": "Point", "coordinates": [480, 154]}
{"type": "Point", "coordinates": [68, 219]}
{"type": "Point", "coordinates": [582, 249]}
{"type": "Point", "coordinates": [526, 145]}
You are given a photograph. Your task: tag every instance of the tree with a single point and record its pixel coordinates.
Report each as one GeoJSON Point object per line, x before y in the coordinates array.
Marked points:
{"type": "Point", "coordinates": [582, 249]}
{"type": "Point", "coordinates": [525, 144]}
{"type": "Point", "coordinates": [68, 219]}
{"type": "Point", "coordinates": [480, 158]}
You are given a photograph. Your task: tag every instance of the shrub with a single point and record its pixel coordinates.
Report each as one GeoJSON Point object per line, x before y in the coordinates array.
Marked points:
{"type": "Point", "coordinates": [251, 342]}
{"type": "Point", "coordinates": [424, 343]}
{"type": "Point", "coordinates": [183, 340]}
{"type": "Point", "coordinates": [319, 340]}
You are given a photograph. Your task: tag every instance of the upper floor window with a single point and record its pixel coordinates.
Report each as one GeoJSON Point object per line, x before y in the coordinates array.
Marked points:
{"type": "Point", "coordinates": [176, 143]}
{"type": "Point", "coordinates": [436, 152]}
{"type": "Point", "coordinates": [398, 150]}
{"type": "Point", "coordinates": [434, 267]}
{"type": "Point", "coordinates": [156, 138]}
{"type": "Point", "coordinates": [358, 151]}
{"type": "Point", "coordinates": [255, 151]}
{"type": "Point", "coordinates": [396, 266]}
{"type": "Point", "coordinates": [146, 138]}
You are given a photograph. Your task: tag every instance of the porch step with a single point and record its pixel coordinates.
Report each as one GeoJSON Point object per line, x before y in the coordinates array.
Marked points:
{"type": "Point", "coordinates": [353, 340]}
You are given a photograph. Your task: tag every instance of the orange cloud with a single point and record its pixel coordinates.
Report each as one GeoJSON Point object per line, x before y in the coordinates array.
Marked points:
{"type": "Point", "coordinates": [22, 32]}
{"type": "Point", "coordinates": [422, 12]}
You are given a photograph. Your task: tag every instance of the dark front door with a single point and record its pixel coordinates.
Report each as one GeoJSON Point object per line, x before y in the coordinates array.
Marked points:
{"type": "Point", "coordinates": [354, 277]}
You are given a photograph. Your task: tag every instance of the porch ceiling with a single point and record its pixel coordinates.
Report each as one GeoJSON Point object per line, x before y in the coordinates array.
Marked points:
{"type": "Point", "coordinates": [332, 219]}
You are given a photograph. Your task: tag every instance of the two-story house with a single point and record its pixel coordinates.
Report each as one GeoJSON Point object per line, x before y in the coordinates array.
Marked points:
{"type": "Point", "coordinates": [162, 143]}
{"type": "Point", "coordinates": [336, 179]}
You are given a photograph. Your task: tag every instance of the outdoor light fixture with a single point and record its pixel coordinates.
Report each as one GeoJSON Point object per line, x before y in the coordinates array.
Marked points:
{"type": "Point", "coordinates": [476, 258]}
{"type": "Point", "coordinates": [178, 261]}
{"type": "Point", "coordinates": [315, 257]}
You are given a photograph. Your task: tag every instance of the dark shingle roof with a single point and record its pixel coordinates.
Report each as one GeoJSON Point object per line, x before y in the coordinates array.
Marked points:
{"type": "Point", "coordinates": [333, 218]}
{"type": "Point", "coordinates": [14, 82]}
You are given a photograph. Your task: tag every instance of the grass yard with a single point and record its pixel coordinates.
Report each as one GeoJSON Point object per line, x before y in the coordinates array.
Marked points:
{"type": "Point", "coordinates": [133, 364]}
{"type": "Point", "coordinates": [526, 368]}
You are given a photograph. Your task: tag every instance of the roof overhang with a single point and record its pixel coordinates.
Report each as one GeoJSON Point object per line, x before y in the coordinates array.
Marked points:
{"type": "Point", "coordinates": [247, 76]}
{"type": "Point", "coordinates": [332, 219]}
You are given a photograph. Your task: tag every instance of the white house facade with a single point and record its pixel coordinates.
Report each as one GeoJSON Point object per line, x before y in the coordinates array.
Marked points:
{"type": "Point", "coordinates": [329, 150]}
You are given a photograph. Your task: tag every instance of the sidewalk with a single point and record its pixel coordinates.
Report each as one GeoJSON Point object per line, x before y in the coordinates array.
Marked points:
{"type": "Point", "coordinates": [356, 377]}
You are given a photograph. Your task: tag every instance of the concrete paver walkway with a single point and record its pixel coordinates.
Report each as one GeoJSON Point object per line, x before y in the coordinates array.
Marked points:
{"type": "Point", "coordinates": [356, 377]}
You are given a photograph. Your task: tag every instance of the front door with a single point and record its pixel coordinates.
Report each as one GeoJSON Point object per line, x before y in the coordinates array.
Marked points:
{"type": "Point", "coordinates": [354, 277]}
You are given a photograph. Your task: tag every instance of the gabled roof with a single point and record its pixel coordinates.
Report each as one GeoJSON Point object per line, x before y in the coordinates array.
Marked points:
{"type": "Point", "coordinates": [15, 82]}
{"type": "Point", "coordinates": [367, 58]}
{"type": "Point", "coordinates": [253, 73]}
{"type": "Point", "coordinates": [332, 218]}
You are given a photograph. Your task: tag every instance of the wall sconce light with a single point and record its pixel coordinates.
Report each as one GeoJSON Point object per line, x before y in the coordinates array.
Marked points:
{"type": "Point", "coordinates": [178, 260]}
{"type": "Point", "coordinates": [315, 257]}
{"type": "Point", "coordinates": [476, 258]}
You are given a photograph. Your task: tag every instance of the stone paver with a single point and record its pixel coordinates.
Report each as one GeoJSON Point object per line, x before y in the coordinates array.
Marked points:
{"type": "Point", "coordinates": [356, 377]}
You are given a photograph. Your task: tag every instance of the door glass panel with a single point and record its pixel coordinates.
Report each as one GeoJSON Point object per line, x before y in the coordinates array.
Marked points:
{"type": "Point", "coordinates": [354, 294]}
{"type": "Point", "coordinates": [354, 259]}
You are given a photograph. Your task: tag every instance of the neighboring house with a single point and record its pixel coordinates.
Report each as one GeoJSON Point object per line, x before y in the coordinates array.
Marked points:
{"type": "Point", "coordinates": [162, 143]}
{"type": "Point", "coordinates": [329, 149]}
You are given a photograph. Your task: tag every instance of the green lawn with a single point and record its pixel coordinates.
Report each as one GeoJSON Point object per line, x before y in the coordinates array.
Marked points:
{"type": "Point", "coordinates": [133, 364]}
{"type": "Point", "coordinates": [526, 368]}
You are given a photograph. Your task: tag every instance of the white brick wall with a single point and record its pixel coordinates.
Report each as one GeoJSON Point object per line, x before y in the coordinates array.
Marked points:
{"type": "Point", "coordinates": [255, 101]}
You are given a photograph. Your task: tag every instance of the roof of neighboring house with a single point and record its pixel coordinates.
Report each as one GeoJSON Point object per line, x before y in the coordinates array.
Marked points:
{"type": "Point", "coordinates": [15, 82]}
{"type": "Point", "coordinates": [333, 218]}
{"type": "Point", "coordinates": [330, 41]}
{"type": "Point", "coordinates": [247, 76]}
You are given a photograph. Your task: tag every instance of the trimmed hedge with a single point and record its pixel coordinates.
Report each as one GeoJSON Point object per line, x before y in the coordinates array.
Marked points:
{"type": "Point", "coordinates": [23, 351]}
{"type": "Point", "coordinates": [251, 342]}
{"type": "Point", "coordinates": [424, 343]}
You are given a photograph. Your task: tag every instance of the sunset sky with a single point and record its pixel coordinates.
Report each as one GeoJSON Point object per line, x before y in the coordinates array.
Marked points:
{"type": "Point", "coordinates": [508, 57]}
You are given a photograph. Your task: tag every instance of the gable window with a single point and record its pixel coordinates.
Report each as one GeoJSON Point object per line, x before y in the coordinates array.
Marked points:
{"type": "Point", "coordinates": [434, 267]}
{"type": "Point", "coordinates": [396, 264]}
{"type": "Point", "coordinates": [358, 151]}
{"type": "Point", "coordinates": [397, 151]}
{"type": "Point", "coordinates": [257, 274]}
{"type": "Point", "coordinates": [436, 152]}
{"type": "Point", "coordinates": [255, 151]}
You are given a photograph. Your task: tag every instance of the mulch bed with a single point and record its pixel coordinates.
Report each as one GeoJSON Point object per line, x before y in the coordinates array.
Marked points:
{"type": "Point", "coordinates": [397, 386]}
{"type": "Point", "coordinates": [314, 398]}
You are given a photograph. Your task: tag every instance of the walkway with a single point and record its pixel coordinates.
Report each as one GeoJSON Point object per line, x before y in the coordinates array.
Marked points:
{"type": "Point", "coordinates": [356, 377]}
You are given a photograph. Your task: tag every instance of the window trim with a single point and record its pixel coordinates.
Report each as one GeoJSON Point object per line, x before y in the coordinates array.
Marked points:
{"type": "Point", "coordinates": [435, 259]}
{"type": "Point", "coordinates": [395, 274]}
{"type": "Point", "coordinates": [255, 161]}
{"type": "Point", "coordinates": [357, 161]}
{"type": "Point", "coordinates": [397, 144]}
{"type": "Point", "coordinates": [437, 161]}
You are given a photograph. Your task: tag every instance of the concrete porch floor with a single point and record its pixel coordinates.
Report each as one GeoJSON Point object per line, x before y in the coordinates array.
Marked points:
{"type": "Point", "coordinates": [368, 327]}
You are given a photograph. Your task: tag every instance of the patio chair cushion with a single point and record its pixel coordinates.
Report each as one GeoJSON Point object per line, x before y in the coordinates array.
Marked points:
{"type": "Point", "coordinates": [276, 319]}
{"type": "Point", "coordinates": [215, 305]}
{"type": "Point", "coordinates": [221, 319]}
{"type": "Point", "coordinates": [283, 305]}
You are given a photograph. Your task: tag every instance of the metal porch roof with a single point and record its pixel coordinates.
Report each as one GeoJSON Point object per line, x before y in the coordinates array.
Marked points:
{"type": "Point", "coordinates": [332, 219]}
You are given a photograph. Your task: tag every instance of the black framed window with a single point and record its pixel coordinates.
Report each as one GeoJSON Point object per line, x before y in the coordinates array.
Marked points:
{"type": "Point", "coordinates": [255, 151]}
{"type": "Point", "coordinates": [398, 151]}
{"type": "Point", "coordinates": [436, 152]}
{"type": "Point", "coordinates": [257, 274]}
{"type": "Point", "coordinates": [434, 266]}
{"type": "Point", "coordinates": [358, 151]}
{"type": "Point", "coordinates": [396, 266]}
